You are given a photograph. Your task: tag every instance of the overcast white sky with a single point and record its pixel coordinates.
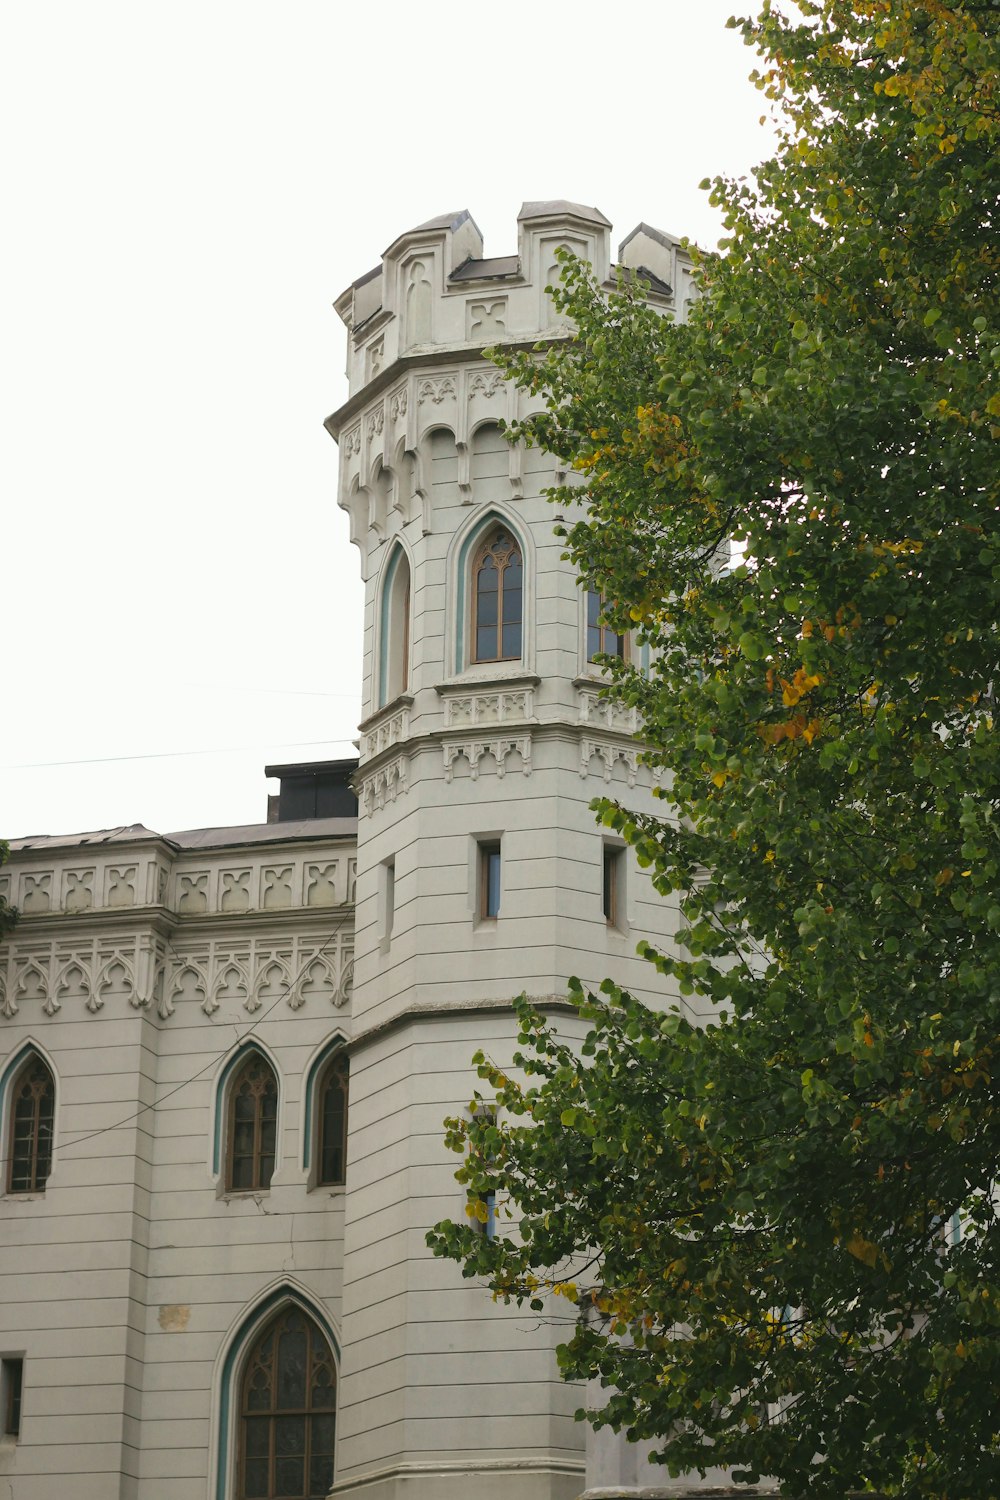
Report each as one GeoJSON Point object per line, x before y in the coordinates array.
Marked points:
{"type": "Point", "coordinates": [186, 188]}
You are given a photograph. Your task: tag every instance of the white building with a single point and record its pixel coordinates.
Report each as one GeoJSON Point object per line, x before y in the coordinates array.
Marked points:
{"type": "Point", "coordinates": [196, 1293]}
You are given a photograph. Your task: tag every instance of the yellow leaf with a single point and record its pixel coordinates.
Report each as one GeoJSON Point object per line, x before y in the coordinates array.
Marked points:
{"type": "Point", "coordinates": [863, 1249]}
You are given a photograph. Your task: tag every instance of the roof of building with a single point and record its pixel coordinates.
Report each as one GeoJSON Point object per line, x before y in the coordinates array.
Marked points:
{"type": "Point", "coordinates": [265, 833]}
{"type": "Point", "coordinates": [661, 237]}
{"type": "Point", "coordinates": [547, 208]}
{"type": "Point", "coordinates": [125, 834]}
{"type": "Point", "coordinates": [491, 267]}
{"type": "Point", "coordinates": [197, 838]}
{"type": "Point", "coordinates": [656, 283]}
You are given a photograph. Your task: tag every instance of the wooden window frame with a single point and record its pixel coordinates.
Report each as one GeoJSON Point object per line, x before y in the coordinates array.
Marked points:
{"type": "Point", "coordinates": [489, 849]}
{"type": "Point", "coordinates": [245, 1413]}
{"type": "Point", "coordinates": [337, 1068]}
{"type": "Point", "coordinates": [612, 884]}
{"type": "Point", "coordinates": [13, 1387]}
{"type": "Point", "coordinates": [38, 1172]}
{"type": "Point", "coordinates": [605, 633]}
{"type": "Point", "coordinates": [485, 548]}
{"type": "Point", "coordinates": [256, 1059]}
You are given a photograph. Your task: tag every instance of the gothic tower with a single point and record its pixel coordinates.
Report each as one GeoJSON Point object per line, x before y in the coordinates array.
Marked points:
{"type": "Point", "coordinates": [481, 870]}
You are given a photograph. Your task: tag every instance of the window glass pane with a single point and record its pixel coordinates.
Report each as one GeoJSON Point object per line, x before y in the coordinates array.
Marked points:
{"type": "Point", "coordinates": [486, 644]}
{"type": "Point", "coordinates": [289, 1477]}
{"type": "Point", "coordinates": [334, 1129]}
{"type": "Point", "coordinates": [512, 605]}
{"type": "Point", "coordinates": [289, 1436]}
{"type": "Point", "coordinates": [258, 1431]}
{"type": "Point", "coordinates": [323, 1429]}
{"type": "Point", "coordinates": [492, 882]}
{"type": "Point", "coordinates": [320, 1476]}
{"type": "Point", "coordinates": [242, 1174]}
{"type": "Point", "coordinates": [511, 642]}
{"type": "Point", "coordinates": [292, 1368]}
{"type": "Point", "coordinates": [255, 1483]}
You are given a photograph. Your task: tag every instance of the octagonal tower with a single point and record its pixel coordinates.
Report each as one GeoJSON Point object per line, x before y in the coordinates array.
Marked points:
{"type": "Point", "coordinates": [481, 870]}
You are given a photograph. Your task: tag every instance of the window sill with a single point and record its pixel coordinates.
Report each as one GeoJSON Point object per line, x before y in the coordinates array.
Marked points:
{"type": "Point", "coordinates": [403, 700]}
{"type": "Point", "coordinates": [506, 673]}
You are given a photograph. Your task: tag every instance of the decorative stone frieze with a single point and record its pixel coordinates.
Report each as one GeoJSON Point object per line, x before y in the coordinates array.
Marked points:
{"type": "Point", "coordinates": [383, 731]}
{"type": "Point", "coordinates": [253, 973]}
{"type": "Point", "coordinates": [504, 706]}
{"type": "Point", "coordinates": [376, 422]}
{"type": "Point", "coordinates": [384, 784]}
{"type": "Point", "coordinates": [435, 388]}
{"type": "Point", "coordinates": [609, 752]}
{"type": "Point", "coordinates": [595, 709]}
{"type": "Point", "coordinates": [485, 383]}
{"type": "Point", "coordinates": [497, 750]}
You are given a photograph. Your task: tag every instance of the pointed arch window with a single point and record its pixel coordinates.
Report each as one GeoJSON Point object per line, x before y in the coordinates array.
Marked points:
{"type": "Point", "coordinates": [332, 1123]}
{"type": "Point", "coordinates": [252, 1123]}
{"type": "Point", "coordinates": [497, 598]}
{"type": "Point", "coordinates": [288, 1402]}
{"type": "Point", "coordinates": [601, 639]}
{"type": "Point", "coordinates": [394, 630]}
{"type": "Point", "coordinates": [31, 1128]}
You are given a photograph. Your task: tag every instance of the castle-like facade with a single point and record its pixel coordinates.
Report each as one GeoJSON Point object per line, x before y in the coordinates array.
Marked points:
{"type": "Point", "coordinates": [226, 1055]}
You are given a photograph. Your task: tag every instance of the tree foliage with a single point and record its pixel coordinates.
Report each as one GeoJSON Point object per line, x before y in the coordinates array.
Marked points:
{"type": "Point", "coordinates": [763, 1211]}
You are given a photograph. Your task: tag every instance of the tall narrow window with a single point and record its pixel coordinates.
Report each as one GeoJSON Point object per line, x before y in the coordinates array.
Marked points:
{"type": "Point", "coordinates": [613, 887]}
{"type": "Point", "coordinates": [253, 1127]}
{"type": "Point", "coordinates": [387, 899]}
{"type": "Point", "coordinates": [12, 1379]}
{"type": "Point", "coordinates": [32, 1118]}
{"type": "Point", "coordinates": [489, 880]}
{"type": "Point", "coordinates": [333, 1123]}
{"type": "Point", "coordinates": [288, 1414]}
{"type": "Point", "coordinates": [497, 598]}
{"type": "Point", "coordinates": [601, 639]}
{"type": "Point", "coordinates": [394, 629]}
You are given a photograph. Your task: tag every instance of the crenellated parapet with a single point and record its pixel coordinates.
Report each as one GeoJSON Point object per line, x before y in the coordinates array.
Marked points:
{"type": "Point", "coordinates": [417, 328]}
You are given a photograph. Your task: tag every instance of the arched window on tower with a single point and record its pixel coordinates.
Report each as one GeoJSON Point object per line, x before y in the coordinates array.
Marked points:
{"type": "Point", "coordinates": [252, 1122]}
{"type": "Point", "coordinates": [497, 598]}
{"type": "Point", "coordinates": [288, 1412]}
{"type": "Point", "coordinates": [394, 630]}
{"type": "Point", "coordinates": [30, 1128]}
{"type": "Point", "coordinates": [332, 1123]}
{"type": "Point", "coordinates": [601, 639]}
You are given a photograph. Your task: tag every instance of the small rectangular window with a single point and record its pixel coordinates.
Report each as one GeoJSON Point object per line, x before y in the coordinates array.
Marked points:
{"type": "Point", "coordinates": [13, 1376]}
{"type": "Point", "coordinates": [489, 880]}
{"type": "Point", "coordinates": [613, 885]}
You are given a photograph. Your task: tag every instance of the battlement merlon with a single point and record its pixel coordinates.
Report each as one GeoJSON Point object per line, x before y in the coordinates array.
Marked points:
{"type": "Point", "coordinates": [434, 296]}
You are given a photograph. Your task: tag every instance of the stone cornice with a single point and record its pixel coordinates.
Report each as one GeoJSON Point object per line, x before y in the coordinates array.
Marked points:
{"type": "Point", "coordinates": [419, 1013]}
{"type": "Point", "coordinates": [450, 354]}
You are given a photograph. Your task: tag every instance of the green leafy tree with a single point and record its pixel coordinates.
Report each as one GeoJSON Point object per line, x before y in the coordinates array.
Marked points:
{"type": "Point", "coordinates": [780, 1227]}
